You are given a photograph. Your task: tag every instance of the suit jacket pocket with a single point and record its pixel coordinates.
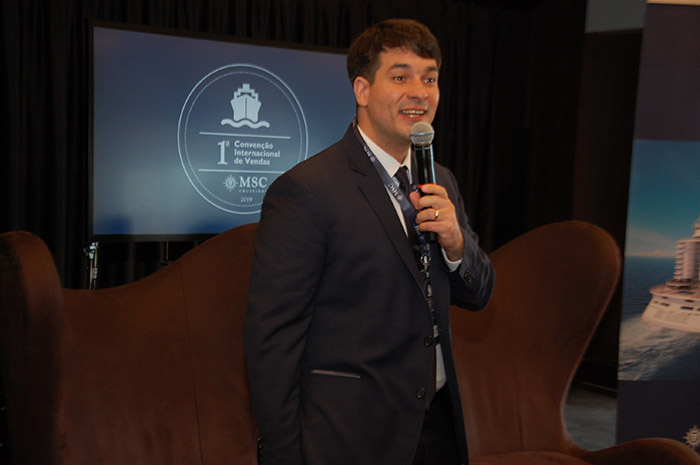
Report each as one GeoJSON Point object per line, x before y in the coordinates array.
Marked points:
{"type": "Point", "coordinates": [338, 374]}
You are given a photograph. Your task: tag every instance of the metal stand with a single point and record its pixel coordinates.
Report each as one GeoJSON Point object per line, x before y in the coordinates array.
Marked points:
{"type": "Point", "coordinates": [91, 253]}
{"type": "Point", "coordinates": [165, 253]}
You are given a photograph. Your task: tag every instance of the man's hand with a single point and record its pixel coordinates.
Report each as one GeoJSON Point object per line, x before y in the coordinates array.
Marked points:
{"type": "Point", "coordinates": [436, 213]}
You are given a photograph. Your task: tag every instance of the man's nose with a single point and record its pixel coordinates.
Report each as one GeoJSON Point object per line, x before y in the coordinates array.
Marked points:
{"type": "Point", "coordinates": [418, 90]}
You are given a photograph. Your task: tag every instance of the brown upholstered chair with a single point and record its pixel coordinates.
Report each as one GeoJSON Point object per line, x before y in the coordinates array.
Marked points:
{"type": "Point", "coordinates": [516, 359]}
{"type": "Point", "coordinates": [153, 371]}
{"type": "Point", "coordinates": [149, 372]}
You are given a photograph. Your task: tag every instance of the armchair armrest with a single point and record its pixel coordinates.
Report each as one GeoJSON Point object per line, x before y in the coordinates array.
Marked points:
{"type": "Point", "coordinates": [652, 451]}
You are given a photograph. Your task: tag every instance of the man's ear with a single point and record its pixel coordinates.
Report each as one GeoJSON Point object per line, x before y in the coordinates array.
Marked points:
{"type": "Point", "coordinates": [361, 88]}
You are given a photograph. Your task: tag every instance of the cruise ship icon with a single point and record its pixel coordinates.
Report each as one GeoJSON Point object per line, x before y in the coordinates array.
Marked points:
{"type": "Point", "coordinates": [676, 304]}
{"type": "Point", "coordinates": [245, 105]}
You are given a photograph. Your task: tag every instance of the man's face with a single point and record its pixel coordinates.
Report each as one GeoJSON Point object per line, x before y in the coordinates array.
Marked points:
{"type": "Point", "coordinates": [404, 91]}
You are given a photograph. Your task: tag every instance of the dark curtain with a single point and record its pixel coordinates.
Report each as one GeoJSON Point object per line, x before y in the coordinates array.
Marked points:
{"type": "Point", "coordinates": [505, 126]}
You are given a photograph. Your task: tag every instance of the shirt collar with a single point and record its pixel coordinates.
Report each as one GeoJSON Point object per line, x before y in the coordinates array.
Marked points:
{"type": "Point", "coordinates": [388, 162]}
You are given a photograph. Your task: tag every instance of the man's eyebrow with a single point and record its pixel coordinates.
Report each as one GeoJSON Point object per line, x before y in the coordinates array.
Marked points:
{"type": "Point", "coordinates": [430, 69]}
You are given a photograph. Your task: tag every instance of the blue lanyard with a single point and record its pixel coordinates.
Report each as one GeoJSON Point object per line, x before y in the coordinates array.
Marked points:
{"type": "Point", "coordinates": [410, 216]}
{"type": "Point", "coordinates": [406, 207]}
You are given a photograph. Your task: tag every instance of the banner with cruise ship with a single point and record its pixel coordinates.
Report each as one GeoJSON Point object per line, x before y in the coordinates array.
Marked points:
{"type": "Point", "coordinates": [659, 361]}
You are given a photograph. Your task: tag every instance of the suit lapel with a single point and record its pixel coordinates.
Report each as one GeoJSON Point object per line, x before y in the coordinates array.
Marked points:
{"type": "Point", "coordinates": [371, 186]}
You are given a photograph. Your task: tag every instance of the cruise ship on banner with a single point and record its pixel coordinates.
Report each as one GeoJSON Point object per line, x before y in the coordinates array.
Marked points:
{"type": "Point", "coordinates": [676, 304]}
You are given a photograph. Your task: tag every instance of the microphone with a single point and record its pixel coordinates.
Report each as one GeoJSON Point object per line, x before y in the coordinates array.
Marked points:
{"type": "Point", "coordinates": [422, 135]}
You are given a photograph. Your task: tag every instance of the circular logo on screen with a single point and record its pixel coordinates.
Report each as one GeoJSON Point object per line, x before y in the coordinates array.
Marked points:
{"type": "Point", "coordinates": [240, 127]}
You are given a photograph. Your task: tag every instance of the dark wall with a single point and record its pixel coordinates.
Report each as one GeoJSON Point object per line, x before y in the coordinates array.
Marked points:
{"type": "Point", "coordinates": [608, 93]}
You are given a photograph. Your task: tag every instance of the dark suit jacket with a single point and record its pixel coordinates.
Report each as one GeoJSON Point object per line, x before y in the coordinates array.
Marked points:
{"type": "Point", "coordinates": [337, 328]}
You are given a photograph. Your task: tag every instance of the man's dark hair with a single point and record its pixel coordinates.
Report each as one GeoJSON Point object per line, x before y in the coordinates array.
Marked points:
{"type": "Point", "coordinates": [363, 55]}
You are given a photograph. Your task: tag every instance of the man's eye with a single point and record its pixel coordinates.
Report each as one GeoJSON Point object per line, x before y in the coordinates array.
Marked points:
{"type": "Point", "coordinates": [399, 78]}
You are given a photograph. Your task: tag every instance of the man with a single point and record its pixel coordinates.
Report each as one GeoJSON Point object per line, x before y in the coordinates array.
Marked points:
{"type": "Point", "coordinates": [347, 364]}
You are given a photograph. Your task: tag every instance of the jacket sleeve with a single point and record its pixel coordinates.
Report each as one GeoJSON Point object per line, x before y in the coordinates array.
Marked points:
{"type": "Point", "coordinates": [288, 261]}
{"type": "Point", "coordinates": [471, 284]}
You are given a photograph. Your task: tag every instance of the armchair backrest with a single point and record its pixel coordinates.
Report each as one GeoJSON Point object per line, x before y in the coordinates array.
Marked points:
{"type": "Point", "coordinates": [31, 332]}
{"type": "Point", "coordinates": [517, 357]}
{"type": "Point", "coordinates": [153, 371]}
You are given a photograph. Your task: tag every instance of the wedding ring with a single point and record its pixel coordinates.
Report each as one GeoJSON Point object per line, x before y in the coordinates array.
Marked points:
{"type": "Point", "coordinates": [437, 213]}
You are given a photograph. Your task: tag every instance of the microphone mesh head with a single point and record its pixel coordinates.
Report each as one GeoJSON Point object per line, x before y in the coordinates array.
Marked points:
{"type": "Point", "coordinates": [422, 134]}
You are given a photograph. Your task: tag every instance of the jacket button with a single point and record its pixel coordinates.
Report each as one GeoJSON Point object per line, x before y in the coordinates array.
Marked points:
{"type": "Point", "coordinates": [420, 393]}
{"type": "Point", "coordinates": [468, 276]}
{"type": "Point", "coordinates": [428, 341]}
